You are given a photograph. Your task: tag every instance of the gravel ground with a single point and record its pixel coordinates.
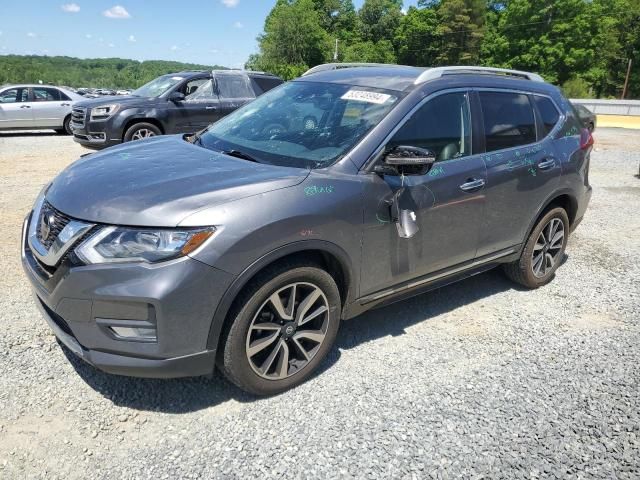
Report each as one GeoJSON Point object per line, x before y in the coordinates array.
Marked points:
{"type": "Point", "coordinates": [478, 379]}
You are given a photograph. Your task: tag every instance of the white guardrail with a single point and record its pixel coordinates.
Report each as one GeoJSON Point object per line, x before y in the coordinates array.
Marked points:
{"type": "Point", "coordinates": [610, 107]}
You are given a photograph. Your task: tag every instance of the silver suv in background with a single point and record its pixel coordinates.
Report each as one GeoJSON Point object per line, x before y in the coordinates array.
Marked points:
{"type": "Point", "coordinates": [35, 107]}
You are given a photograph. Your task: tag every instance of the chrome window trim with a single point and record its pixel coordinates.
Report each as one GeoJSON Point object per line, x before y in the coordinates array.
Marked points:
{"type": "Point", "coordinates": [65, 239]}
{"type": "Point", "coordinates": [369, 163]}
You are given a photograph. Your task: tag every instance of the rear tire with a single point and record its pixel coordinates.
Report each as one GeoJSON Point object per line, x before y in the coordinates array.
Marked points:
{"type": "Point", "coordinates": [541, 257]}
{"type": "Point", "coordinates": [296, 337]}
{"type": "Point", "coordinates": [140, 131]}
{"type": "Point", "coordinates": [66, 127]}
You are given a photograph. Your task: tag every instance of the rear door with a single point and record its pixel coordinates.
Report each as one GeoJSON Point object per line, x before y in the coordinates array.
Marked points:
{"type": "Point", "coordinates": [234, 90]}
{"type": "Point", "coordinates": [49, 106]}
{"type": "Point", "coordinates": [522, 165]}
{"type": "Point", "coordinates": [15, 111]}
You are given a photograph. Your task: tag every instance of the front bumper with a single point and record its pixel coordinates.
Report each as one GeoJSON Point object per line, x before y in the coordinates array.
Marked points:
{"type": "Point", "coordinates": [94, 134]}
{"type": "Point", "coordinates": [177, 298]}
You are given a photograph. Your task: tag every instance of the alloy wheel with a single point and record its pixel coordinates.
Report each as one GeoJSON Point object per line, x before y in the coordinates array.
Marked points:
{"type": "Point", "coordinates": [287, 331]}
{"type": "Point", "coordinates": [142, 133]}
{"type": "Point", "coordinates": [548, 248]}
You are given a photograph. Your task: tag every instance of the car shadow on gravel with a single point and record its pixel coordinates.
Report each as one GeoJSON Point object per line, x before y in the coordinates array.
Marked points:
{"type": "Point", "coordinates": [44, 133]}
{"type": "Point", "coordinates": [192, 394]}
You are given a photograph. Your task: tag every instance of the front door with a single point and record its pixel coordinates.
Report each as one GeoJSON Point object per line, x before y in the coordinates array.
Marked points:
{"type": "Point", "coordinates": [15, 109]}
{"type": "Point", "coordinates": [448, 201]}
{"type": "Point", "coordinates": [199, 108]}
{"type": "Point", "coordinates": [523, 169]}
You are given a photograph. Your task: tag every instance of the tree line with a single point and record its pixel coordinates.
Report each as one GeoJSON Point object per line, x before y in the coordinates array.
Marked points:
{"type": "Point", "coordinates": [76, 72]}
{"type": "Point", "coordinates": [582, 45]}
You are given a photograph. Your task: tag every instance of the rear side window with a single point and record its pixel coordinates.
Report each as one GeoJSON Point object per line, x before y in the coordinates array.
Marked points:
{"type": "Point", "coordinates": [508, 120]}
{"type": "Point", "coordinates": [234, 86]}
{"type": "Point", "coordinates": [45, 95]}
{"type": "Point", "coordinates": [14, 95]}
{"type": "Point", "coordinates": [548, 113]}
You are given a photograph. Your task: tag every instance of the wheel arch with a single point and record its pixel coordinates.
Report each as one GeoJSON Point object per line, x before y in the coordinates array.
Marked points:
{"type": "Point", "coordinates": [326, 254]}
{"type": "Point", "coordinates": [563, 198]}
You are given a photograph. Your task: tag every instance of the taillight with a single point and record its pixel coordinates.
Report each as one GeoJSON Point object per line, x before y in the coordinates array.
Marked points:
{"type": "Point", "coordinates": [586, 139]}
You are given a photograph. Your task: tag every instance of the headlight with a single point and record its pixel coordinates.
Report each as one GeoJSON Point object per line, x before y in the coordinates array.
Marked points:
{"type": "Point", "coordinates": [104, 112]}
{"type": "Point", "coordinates": [120, 244]}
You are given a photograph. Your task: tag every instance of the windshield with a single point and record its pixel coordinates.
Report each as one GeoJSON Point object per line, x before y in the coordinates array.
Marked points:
{"type": "Point", "coordinates": [301, 124]}
{"type": "Point", "coordinates": [157, 87]}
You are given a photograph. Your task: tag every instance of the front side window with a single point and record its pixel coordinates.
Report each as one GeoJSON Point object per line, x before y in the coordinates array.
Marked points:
{"type": "Point", "coordinates": [548, 113]}
{"type": "Point", "coordinates": [45, 95]}
{"type": "Point", "coordinates": [233, 85]}
{"type": "Point", "coordinates": [508, 120]}
{"type": "Point", "coordinates": [442, 125]}
{"type": "Point", "coordinates": [14, 95]}
{"type": "Point", "coordinates": [199, 89]}
{"type": "Point", "coordinates": [301, 124]}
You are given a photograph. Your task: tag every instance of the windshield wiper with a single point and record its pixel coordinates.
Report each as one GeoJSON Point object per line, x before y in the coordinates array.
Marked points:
{"type": "Point", "coordinates": [239, 154]}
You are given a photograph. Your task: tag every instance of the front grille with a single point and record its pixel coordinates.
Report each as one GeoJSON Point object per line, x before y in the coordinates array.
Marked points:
{"type": "Point", "coordinates": [78, 115]}
{"type": "Point", "coordinates": [50, 224]}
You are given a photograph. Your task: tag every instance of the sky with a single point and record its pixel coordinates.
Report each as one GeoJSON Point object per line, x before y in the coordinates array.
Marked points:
{"type": "Point", "coordinates": [208, 32]}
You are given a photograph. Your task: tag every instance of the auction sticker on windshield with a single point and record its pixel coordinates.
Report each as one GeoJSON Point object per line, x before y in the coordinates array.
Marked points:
{"type": "Point", "coordinates": [366, 96]}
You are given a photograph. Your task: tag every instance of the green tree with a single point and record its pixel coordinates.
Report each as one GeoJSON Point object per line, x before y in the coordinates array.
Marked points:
{"type": "Point", "coordinates": [417, 39]}
{"type": "Point", "coordinates": [460, 25]}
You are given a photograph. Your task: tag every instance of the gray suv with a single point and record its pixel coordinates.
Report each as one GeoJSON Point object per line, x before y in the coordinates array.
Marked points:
{"type": "Point", "coordinates": [245, 246]}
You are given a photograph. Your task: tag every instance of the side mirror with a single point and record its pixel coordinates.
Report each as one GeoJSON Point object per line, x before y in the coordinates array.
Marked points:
{"type": "Point", "coordinates": [176, 97]}
{"type": "Point", "coordinates": [407, 160]}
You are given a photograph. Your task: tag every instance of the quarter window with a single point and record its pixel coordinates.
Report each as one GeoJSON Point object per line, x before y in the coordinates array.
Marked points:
{"type": "Point", "coordinates": [548, 113]}
{"type": "Point", "coordinates": [441, 125]}
{"type": "Point", "coordinates": [508, 120]}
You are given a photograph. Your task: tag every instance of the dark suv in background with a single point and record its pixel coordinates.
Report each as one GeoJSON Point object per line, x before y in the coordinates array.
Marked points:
{"type": "Point", "coordinates": [182, 102]}
{"type": "Point", "coordinates": [245, 246]}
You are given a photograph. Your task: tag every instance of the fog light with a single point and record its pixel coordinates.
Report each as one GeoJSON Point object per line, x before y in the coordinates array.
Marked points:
{"type": "Point", "coordinates": [133, 333]}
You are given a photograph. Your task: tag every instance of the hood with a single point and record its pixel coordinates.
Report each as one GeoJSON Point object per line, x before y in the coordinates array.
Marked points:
{"type": "Point", "coordinates": [160, 181]}
{"type": "Point", "coordinates": [125, 100]}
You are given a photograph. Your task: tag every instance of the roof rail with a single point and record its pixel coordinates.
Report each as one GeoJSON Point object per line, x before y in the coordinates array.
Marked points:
{"type": "Point", "coordinates": [336, 66]}
{"type": "Point", "coordinates": [437, 72]}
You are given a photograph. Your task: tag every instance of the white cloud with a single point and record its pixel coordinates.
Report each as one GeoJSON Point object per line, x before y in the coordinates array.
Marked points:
{"type": "Point", "coordinates": [214, 50]}
{"type": "Point", "coordinates": [111, 45]}
{"type": "Point", "coordinates": [0, 32]}
{"type": "Point", "coordinates": [174, 48]}
{"type": "Point", "coordinates": [132, 38]}
{"type": "Point", "coordinates": [230, 3]}
{"type": "Point", "coordinates": [31, 35]}
{"type": "Point", "coordinates": [70, 7]}
{"type": "Point", "coordinates": [238, 25]}
{"type": "Point", "coordinates": [88, 35]}
{"type": "Point", "coordinates": [117, 11]}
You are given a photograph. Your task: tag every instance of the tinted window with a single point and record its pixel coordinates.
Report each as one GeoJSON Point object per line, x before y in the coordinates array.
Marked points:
{"type": "Point", "coordinates": [234, 86]}
{"type": "Point", "coordinates": [548, 113]}
{"type": "Point", "coordinates": [442, 125]}
{"type": "Point", "coordinates": [508, 120]}
{"type": "Point", "coordinates": [266, 83]}
{"type": "Point", "coordinates": [14, 95]}
{"type": "Point", "coordinates": [45, 95]}
{"type": "Point", "coordinates": [63, 96]}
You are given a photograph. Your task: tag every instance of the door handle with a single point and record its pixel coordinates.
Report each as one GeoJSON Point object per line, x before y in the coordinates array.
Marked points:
{"type": "Point", "coordinates": [65, 104]}
{"type": "Point", "coordinates": [211, 108]}
{"type": "Point", "coordinates": [546, 163]}
{"type": "Point", "coordinates": [25, 106]}
{"type": "Point", "coordinates": [472, 185]}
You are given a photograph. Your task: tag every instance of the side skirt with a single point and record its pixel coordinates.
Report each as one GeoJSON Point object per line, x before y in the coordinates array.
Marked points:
{"type": "Point", "coordinates": [429, 282]}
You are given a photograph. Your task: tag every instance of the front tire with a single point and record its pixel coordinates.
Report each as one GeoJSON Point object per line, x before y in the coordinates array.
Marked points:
{"type": "Point", "coordinates": [284, 325]}
{"type": "Point", "coordinates": [543, 251]}
{"type": "Point", "coordinates": [140, 131]}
